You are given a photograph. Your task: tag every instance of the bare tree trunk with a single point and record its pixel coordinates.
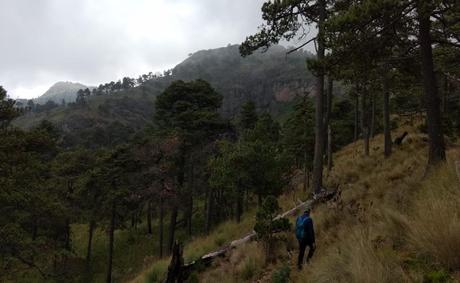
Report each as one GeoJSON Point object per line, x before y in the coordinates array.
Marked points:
{"type": "Point", "coordinates": [364, 122]}
{"type": "Point", "coordinates": [34, 229]}
{"type": "Point", "coordinates": [149, 217]}
{"type": "Point", "coordinates": [319, 111]}
{"type": "Point", "coordinates": [67, 234]}
{"type": "Point", "coordinates": [328, 110]}
{"type": "Point", "coordinates": [356, 132]}
{"type": "Point", "coordinates": [372, 128]}
{"type": "Point", "coordinates": [174, 210]}
{"type": "Point", "coordinates": [111, 241]}
{"type": "Point", "coordinates": [443, 94]}
{"type": "Point", "coordinates": [176, 266]}
{"type": "Point", "coordinates": [92, 226]}
{"type": "Point", "coordinates": [433, 118]}
{"type": "Point", "coordinates": [386, 119]}
{"type": "Point", "coordinates": [305, 186]}
{"type": "Point", "coordinates": [239, 206]}
{"type": "Point", "coordinates": [172, 227]}
{"type": "Point", "coordinates": [160, 240]}
{"type": "Point", "coordinates": [329, 149]}
{"type": "Point", "coordinates": [209, 211]}
{"type": "Point", "coordinates": [190, 200]}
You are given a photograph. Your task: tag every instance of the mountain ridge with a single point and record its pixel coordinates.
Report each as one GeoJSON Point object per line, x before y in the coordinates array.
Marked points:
{"type": "Point", "coordinates": [61, 91]}
{"type": "Point", "coordinates": [271, 79]}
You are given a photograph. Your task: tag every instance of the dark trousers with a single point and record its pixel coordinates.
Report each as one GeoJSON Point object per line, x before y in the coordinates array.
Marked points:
{"type": "Point", "coordinates": [302, 246]}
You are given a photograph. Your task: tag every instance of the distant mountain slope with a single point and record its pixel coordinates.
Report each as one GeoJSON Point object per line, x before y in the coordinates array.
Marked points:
{"type": "Point", "coordinates": [271, 79]}
{"type": "Point", "coordinates": [266, 78]}
{"type": "Point", "coordinates": [66, 91]}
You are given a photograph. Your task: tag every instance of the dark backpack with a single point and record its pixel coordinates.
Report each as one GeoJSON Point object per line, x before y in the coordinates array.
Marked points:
{"type": "Point", "coordinates": [300, 227]}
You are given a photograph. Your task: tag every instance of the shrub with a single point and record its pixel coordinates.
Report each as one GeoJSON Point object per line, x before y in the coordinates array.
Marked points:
{"type": "Point", "coordinates": [439, 276]}
{"type": "Point", "coordinates": [250, 269]}
{"type": "Point", "coordinates": [267, 226]}
{"type": "Point", "coordinates": [281, 275]}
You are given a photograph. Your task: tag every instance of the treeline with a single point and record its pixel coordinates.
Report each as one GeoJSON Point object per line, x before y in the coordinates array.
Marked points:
{"type": "Point", "coordinates": [120, 85]}
{"type": "Point", "coordinates": [380, 49]}
{"type": "Point", "coordinates": [103, 89]}
{"type": "Point", "coordinates": [188, 173]}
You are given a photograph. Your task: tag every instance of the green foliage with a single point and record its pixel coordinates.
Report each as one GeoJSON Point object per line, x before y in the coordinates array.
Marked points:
{"type": "Point", "coordinates": [298, 134]}
{"type": "Point", "coordinates": [282, 274]}
{"type": "Point", "coordinates": [253, 164]}
{"type": "Point", "coordinates": [283, 21]}
{"type": "Point", "coordinates": [248, 116]}
{"type": "Point", "coordinates": [439, 276]}
{"type": "Point", "coordinates": [190, 109]}
{"type": "Point", "coordinates": [7, 109]}
{"type": "Point", "coordinates": [342, 121]}
{"type": "Point", "coordinates": [267, 226]}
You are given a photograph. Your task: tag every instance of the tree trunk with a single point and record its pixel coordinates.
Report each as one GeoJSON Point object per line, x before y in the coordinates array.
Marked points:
{"type": "Point", "coordinates": [364, 123]}
{"type": "Point", "coordinates": [328, 110]}
{"type": "Point", "coordinates": [180, 189]}
{"type": "Point", "coordinates": [190, 200]}
{"type": "Point", "coordinates": [67, 234]}
{"type": "Point", "coordinates": [160, 240]}
{"type": "Point", "coordinates": [149, 217]}
{"type": "Point", "coordinates": [172, 227]}
{"type": "Point", "coordinates": [176, 266]}
{"type": "Point", "coordinates": [34, 229]}
{"type": "Point", "coordinates": [356, 132]}
{"type": "Point", "coordinates": [239, 205]}
{"type": "Point", "coordinates": [92, 226]}
{"type": "Point", "coordinates": [386, 119]}
{"type": "Point", "coordinates": [319, 111]}
{"type": "Point", "coordinates": [444, 94]}
{"type": "Point", "coordinates": [305, 171]}
{"type": "Point", "coordinates": [329, 148]}
{"type": "Point", "coordinates": [433, 118]}
{"type": "Point", "coordinates": [209, 211]}
{"type": "Point", "coordinates": [111, 241]}
{"type": "Point", "coordinates": [372, 127]}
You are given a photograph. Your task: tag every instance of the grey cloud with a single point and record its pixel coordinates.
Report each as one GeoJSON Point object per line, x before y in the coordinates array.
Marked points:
{"type": "Point", "coordinates": [97, 41]}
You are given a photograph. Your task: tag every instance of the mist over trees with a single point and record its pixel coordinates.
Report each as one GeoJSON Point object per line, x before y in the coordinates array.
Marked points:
{"type": "Point", "coordinates": [144, 163]}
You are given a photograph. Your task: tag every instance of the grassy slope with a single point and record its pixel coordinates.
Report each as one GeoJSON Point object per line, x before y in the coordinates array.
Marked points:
{"type": "Point", "coordinates": [389, 225]}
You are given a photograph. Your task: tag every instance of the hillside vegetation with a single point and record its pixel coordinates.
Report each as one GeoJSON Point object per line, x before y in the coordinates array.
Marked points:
{"type": "Point", "coordinates": [271, 79]}
{"type": "Point", "coordinates": [390, 224]}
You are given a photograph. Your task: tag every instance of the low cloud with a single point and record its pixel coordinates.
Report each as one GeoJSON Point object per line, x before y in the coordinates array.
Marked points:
{"type": "Point", "coordinates": [44, 41]}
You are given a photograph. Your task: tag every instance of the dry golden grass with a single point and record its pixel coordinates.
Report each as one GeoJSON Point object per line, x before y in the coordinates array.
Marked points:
{"type": "Point", "coordinates": [389, 225]}
{"type": "Point", "coordinates": [434, 227]}
{"type": "Point", "coordinates": [376, 227]}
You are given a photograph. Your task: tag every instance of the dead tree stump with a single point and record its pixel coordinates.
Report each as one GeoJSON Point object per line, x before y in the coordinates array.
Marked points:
{"type": "Point", "coordinates": [175, 268]}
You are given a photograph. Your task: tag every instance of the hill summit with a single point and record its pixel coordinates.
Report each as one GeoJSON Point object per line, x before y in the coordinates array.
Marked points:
{"type": "Point", "coordinates": [60, 91]}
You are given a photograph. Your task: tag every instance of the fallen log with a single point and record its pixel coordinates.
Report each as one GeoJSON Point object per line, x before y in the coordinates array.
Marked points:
{"type": "Point", "coordinates": [206, 260]}
{"type": "Point", "coordinates": [399, 140]}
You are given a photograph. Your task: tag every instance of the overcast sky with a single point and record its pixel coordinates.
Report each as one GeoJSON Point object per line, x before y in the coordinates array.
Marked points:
{"type": "Point", "coordinates": [97, 41]}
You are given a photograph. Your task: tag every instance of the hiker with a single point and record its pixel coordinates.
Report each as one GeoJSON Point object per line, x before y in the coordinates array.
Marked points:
{"type": "Point", "coordinates": [306, 236]}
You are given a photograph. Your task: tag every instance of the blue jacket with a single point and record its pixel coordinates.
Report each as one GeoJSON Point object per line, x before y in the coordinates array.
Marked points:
{"type": "Point", "coordinates": [309, 231]}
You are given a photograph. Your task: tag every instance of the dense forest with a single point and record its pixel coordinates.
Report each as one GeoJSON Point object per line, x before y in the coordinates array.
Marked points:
{"type": "Point", "coordinates": [91, 190]}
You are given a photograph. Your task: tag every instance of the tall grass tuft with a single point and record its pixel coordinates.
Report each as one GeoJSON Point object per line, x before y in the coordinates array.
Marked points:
{"type": "Point", "coordinates": [435, 224]}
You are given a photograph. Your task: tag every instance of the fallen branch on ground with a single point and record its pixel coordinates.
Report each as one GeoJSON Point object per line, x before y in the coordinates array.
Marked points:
{"type": "Point", "coordinates": [184, 270]}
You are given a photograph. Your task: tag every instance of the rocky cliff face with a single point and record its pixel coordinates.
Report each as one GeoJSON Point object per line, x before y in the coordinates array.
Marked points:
{"type": "Point", "coordinates": [266, 78]}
